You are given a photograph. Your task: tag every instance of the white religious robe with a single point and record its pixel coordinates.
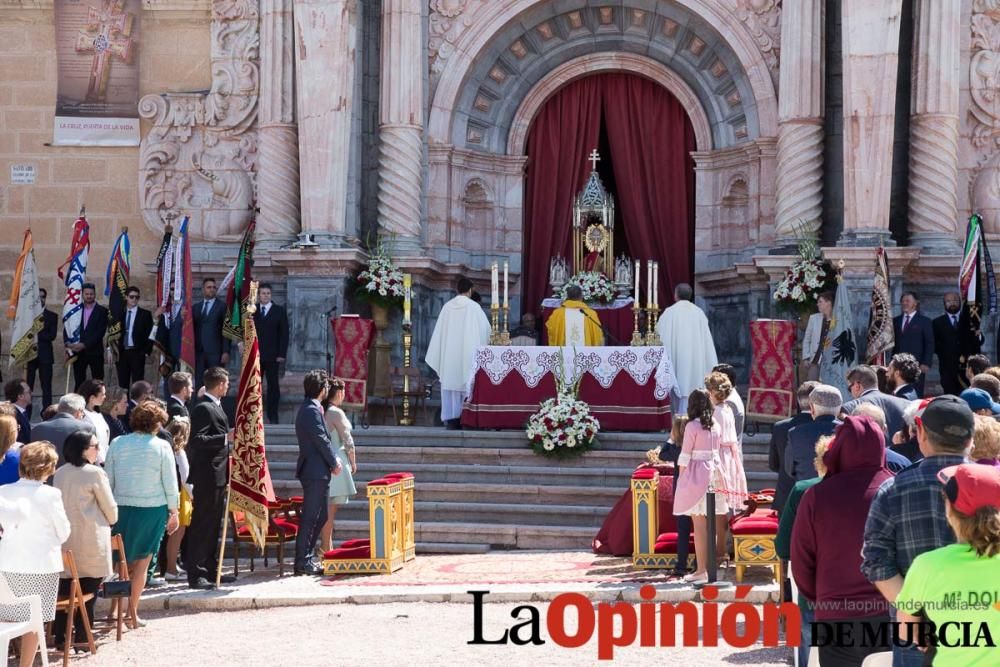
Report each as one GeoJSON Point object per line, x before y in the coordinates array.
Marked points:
{"type": "Point", "coordinates": [461, 328]}
{"type": "Point", "coordinates": [683, 329]}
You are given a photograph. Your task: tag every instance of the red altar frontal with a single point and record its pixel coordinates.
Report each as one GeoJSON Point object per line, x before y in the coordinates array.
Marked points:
{"type": "Point", "coordinates": [617, 318]}
{"type": "Point", "coordinates": [627, 388]}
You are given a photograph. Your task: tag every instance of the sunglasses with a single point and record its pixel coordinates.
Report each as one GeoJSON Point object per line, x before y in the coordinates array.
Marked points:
{"type": "Point", "coordinates": [132, 296]}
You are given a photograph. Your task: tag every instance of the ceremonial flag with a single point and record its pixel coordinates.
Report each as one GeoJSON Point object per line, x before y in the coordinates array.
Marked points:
{"type": "Point", "coordinates": [25, 306]}
{"type": "Point", "coordinates": [164, 341]}
{"type": "Point", "coordinates": [250, 484]}
{"type": "Point", "coordinates": [840, 347]}
{"type": "Point", "coordinates": [116, 285]}
{"type": "Point", "coordinates": [237, 287]}
{"type": "Point", "coordinates": [976, 262]}
{"type": "Point", "coordinates": [182, 296]}
{"type": "Point", "coordinates": [76, 275]}
{"type": "Point", "coordinates": [881, 337]}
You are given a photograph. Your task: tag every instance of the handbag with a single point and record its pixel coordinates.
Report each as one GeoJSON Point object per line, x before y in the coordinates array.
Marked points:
{"type": "Point", "coordinates": [115, 588]}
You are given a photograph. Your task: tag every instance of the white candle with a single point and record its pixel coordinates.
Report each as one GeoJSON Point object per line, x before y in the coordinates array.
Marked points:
{"type": "Point", "coordinates": [656, 284]}
{"type": "Point", "coordinates": [506, 304]}
{"type": "Point", "coordinates": [407, 287]}
{"type": "Point", "coordinates": [649, 283]}
{"type": "Point", "coordinates": [638, 271]}
{"type": "Point", "coordinates": [495, 289]}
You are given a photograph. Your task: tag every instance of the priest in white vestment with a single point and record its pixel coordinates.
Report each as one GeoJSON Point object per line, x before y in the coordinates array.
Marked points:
{"type": "Point", "coordinates": [461, 328]}
{"type": "Point", "coordinates": [683, 329]}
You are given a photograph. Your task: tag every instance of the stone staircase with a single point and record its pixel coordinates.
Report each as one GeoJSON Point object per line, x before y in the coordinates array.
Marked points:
{"type": "Point", "coordinates": [482, 490]}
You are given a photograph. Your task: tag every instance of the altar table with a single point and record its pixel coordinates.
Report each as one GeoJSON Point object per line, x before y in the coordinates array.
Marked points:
{"type": "Point", "coordinates": [617, 317]}
{"type": "Point", "coordinates": [627, 388]}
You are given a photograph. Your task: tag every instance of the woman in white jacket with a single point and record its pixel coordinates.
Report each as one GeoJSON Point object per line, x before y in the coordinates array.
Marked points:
{"type": "Point", "coordinates": [817, 332]}
{"type": "Point", "coordinates": [34, 526]}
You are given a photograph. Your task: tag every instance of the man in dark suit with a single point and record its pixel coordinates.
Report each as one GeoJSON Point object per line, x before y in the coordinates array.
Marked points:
{"type": "Point", "coordinates": [316, 463]}
{"type": "Point", "coordinates": [952, 348]}
{"type": "Point", "coordinates": [134, 344]}
{"type": "Point", "coordinates": [42, 364]}
{"type": "Point", "coordinates": [181, 389]}
{"type": "Point", "coordinates": [779, 441]}
{"type": "Point", "coordinates": [271, 322]}
{"type": "Point", "coordinates": [67, 420]}
{"type": "Point", "coordinates": [210, 346]}
{"type": "Point", "coordinates": [208, 455]}
{"type": "Point", "coordinates": [19, 394]}
{"type": "Point", "coordinates": [914, 334]}
{"type": "Point", "coordinates": [825, 403]}
{"type": "Point", "coordinates": [902, 375]}
{"type": "Point", "coordinates": [89, 351]}
{"type": "Point", "coordinates": [862, 381]}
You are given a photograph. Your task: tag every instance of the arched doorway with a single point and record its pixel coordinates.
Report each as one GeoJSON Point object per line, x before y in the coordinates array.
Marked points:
{"type": "Point", "coordinates": [647, 138]}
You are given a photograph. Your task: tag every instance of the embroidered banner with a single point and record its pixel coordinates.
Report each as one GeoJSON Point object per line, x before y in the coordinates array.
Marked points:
{"type": "Point", "coordinates": [97, 45]}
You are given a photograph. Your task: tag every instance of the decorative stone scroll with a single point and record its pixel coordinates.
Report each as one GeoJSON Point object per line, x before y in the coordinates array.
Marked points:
{"type": "Point", "coordinates": [763, 19]}
{"type": "Point", "coordinates": [984, 89]}
{"type": "Point", "coordinates": [199, 157]}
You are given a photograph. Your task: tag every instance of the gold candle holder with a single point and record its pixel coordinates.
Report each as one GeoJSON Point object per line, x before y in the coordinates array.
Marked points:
{"type": "Point", "coordinates": [652, 338]}
{"type": "Point", "coordinates": [495, 324]}
{"type": "Point", "coordinates": [406, 419]}
{"type": "Point", "coordinates": [637, 338]}
{"type": "Point", "coordinates": [503, 338]}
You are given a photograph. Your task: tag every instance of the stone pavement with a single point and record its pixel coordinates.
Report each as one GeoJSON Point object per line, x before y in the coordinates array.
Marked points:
{"type": "Point", "coordinates": [516, 576]}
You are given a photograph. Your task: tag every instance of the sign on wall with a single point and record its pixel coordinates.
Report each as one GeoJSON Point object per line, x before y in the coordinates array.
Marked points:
{"type": "Point", "coordinates": [97, 42]}
{"type": "Point", "coordinates": [22, 174]}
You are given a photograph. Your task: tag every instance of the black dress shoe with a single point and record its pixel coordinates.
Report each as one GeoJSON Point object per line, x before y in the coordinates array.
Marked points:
{"type": "Point", "coordinates": [309, 570]}
{"type": "Point", "coordinates": [201, 584]}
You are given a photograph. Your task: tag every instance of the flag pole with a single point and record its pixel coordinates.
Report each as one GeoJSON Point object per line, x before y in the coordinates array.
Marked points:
{"type": "Point", "coordinates": [251, 308]}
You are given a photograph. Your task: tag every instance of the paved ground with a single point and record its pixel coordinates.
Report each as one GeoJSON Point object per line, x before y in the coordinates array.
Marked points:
{"type": "Point", "coordinates": [341, 634]}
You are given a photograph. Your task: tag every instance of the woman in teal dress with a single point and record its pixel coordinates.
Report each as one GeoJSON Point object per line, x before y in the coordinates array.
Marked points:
{"type": "Point", "coordinates": [342, 485]}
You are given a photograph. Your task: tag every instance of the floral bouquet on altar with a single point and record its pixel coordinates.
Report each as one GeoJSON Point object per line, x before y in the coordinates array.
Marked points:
{"type": "Point", "coordinates": [805, 280]}
{"type": "Point", "coordinates": [381, 283]}
{"type": "Point", "coordinates": [563, 426]}
{"type": "Point", "coordinates": [596, 287]}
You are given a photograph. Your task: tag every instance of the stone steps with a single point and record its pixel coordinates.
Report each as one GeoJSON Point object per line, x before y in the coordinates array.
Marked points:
{"type": "Point", "coordinates": [493, 536]}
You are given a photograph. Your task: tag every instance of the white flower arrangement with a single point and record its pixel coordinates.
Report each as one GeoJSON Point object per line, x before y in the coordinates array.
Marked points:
{"type": "Point", "coordinates": [805, 280]}
{"type": "Point", "coordinates": [381, 282]}
{"type": "Point", "coordinates": [563, 426]}
{"type": "Point", "coordinates": [596, 287]}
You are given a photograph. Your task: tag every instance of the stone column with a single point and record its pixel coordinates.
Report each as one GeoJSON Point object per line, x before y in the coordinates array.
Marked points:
{"type": "Point", "coordinates": [325, 53]}
{"type": "Point", "coordinates": [799, 207]}
{"type": "Point", "coordinates": [401, 122]}
{"type": "Point", "coordinates": [933, 203]}
{"type": "Point", "coordinates": [871, 57]}
{"type": "Point", "coordinates": [278, 165]}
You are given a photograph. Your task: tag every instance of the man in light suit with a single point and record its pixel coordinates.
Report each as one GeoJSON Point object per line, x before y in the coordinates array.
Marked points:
{"type": "Point", "coordinates": [271, 322]}
{"type": "Point", "coordinates": [914, 334]}
{"type": "Point", "coordinates": [317, 462]}
{"type": "Point", "coordinates": [863, 383]}
{"type": "Point", "coordinates": [68, 420]}
{"type": "Point", "coordinates": [208, 455]}
{"type": "Point", "coordinates": [210, 346]}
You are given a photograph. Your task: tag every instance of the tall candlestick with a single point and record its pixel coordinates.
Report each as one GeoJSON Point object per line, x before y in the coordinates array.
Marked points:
{"type": "Point", "coordinates": [649, 283]}
{"type": "Point", "coordinates": [656, 284]}
{"type": "Point", "coordinates": [407, 286]}
{"type": "Point", "coordinates": [495, 292]}
{"type": "Point", "coordinates": [638, 271]}
{"type": "Point", "coordinates": [506, 304]}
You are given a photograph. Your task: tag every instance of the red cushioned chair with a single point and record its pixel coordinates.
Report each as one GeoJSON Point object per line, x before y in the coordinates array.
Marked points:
{"type": "Point", "coordinates": [279, 530]}
{"type": "Point", "coordinates": [753, 533]}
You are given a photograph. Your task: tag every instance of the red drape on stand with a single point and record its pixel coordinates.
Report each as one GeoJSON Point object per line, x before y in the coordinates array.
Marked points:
{"type": "Point", "coordinates": [651, 138]}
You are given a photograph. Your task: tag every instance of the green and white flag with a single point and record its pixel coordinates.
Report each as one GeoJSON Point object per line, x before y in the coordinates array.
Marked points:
{"type": "Point", "coordinates": [840, 349]}
{"type": "Point", "coordinates": [25, 306]}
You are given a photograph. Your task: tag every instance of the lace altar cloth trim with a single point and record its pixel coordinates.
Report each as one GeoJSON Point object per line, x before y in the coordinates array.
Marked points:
{"type": "Point", "coordinates": [553, 302]}
{"type": "Point", "coordinates": [602, 363]}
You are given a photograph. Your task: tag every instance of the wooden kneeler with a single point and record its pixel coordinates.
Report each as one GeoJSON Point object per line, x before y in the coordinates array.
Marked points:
{"type": "Point", "coordinates": [650, 549]}
{"type": "Point", "coordinates": [409, 539]}
{"type": "Point", "coordinates": [382, 552]}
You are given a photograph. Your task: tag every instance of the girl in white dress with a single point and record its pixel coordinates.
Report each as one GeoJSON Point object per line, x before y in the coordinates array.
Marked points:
{"type": "Point", "coordinates": [342, 485]}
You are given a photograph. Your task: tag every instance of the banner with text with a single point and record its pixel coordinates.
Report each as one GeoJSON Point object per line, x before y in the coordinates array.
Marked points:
{"type": "Point", "coordinates": [97, 43]}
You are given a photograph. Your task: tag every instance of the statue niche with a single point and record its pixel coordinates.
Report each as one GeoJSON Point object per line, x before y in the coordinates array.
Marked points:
{"type": "Point", "coordinates": [594, 226]}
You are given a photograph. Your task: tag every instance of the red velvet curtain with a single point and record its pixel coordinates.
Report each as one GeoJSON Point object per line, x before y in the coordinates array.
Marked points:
{"type": "Point", "coordinates": [651, 138]}
{"type": "Point", "coordinates": [562, 135]}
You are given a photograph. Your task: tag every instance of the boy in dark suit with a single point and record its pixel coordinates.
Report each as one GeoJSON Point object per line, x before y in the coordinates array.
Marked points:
{"type": "Point", "coordinates": [89, 351]}
{"type": "Point", "coordinates": [271, 322]}
{"type": "Point", "coordinates": [914, 335]}
{"type": "Point", "coordinates": [211, 348]}
{"type": "Point", "coordinates": [42, 364]}
{"type": "Point", "coordinates": [134, 344]}
{"type": "Point", "coordinates": [317, 462]}
{"type": "Point", "coordinates": [208, 455]}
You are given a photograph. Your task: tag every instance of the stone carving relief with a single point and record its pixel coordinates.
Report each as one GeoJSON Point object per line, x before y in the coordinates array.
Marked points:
{"type": "Point", "coordinates": [199, 157]}
{"type": "Point", "coordinates": [763, 19]}
{"type": "Point", "coordinates": [448, 20]}
{"type": "Point", "coordinates": [984, 87]}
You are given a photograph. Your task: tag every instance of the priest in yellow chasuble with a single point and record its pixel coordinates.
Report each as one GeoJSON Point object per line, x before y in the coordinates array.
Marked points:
{"type": "Point", "coordinates": [574, 323]}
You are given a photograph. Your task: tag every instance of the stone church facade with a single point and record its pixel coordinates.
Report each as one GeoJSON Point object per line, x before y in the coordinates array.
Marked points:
{"type": "Point", "coordinates": [848, 121]}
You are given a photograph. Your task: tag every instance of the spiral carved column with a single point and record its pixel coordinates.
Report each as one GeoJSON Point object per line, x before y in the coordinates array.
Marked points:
{"type": "Point", "coordinates": [400, 176]}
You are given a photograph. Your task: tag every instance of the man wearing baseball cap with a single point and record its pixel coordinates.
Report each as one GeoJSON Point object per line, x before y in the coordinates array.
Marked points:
{"type": "Point", "coordinates": [907, 516]}
{"type": "Point", "coordinates": [955, 586]}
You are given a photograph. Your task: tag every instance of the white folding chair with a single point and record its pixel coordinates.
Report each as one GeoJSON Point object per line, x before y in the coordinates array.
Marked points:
{"type": "Point", "coordinates": [34, 624]}
{"type": "Point", "coordinates": [883, 659]}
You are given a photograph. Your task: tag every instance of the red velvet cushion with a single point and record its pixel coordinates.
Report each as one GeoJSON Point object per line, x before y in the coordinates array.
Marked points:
{"type": "Point", "coordinates": [761, 522]}
{"type": "Point", "coordinates": [644, 473]}
{"type": "Point", "coordinates": [666, 543]}
{"type": "Point", "coordinates": [401, 475]}
{"type": "Point", "coordinates": [347, 544]}
{"type": "Point", "coordinates": [289, 527]}
{"type": "Point", "coordinates": [297, 500]}
{"type": "Point", "coordinates": [289, 530]}
{"type": "Point", "coordinates": [381, 482]}
{"type": "Point", "coordinates": [352, 552]}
